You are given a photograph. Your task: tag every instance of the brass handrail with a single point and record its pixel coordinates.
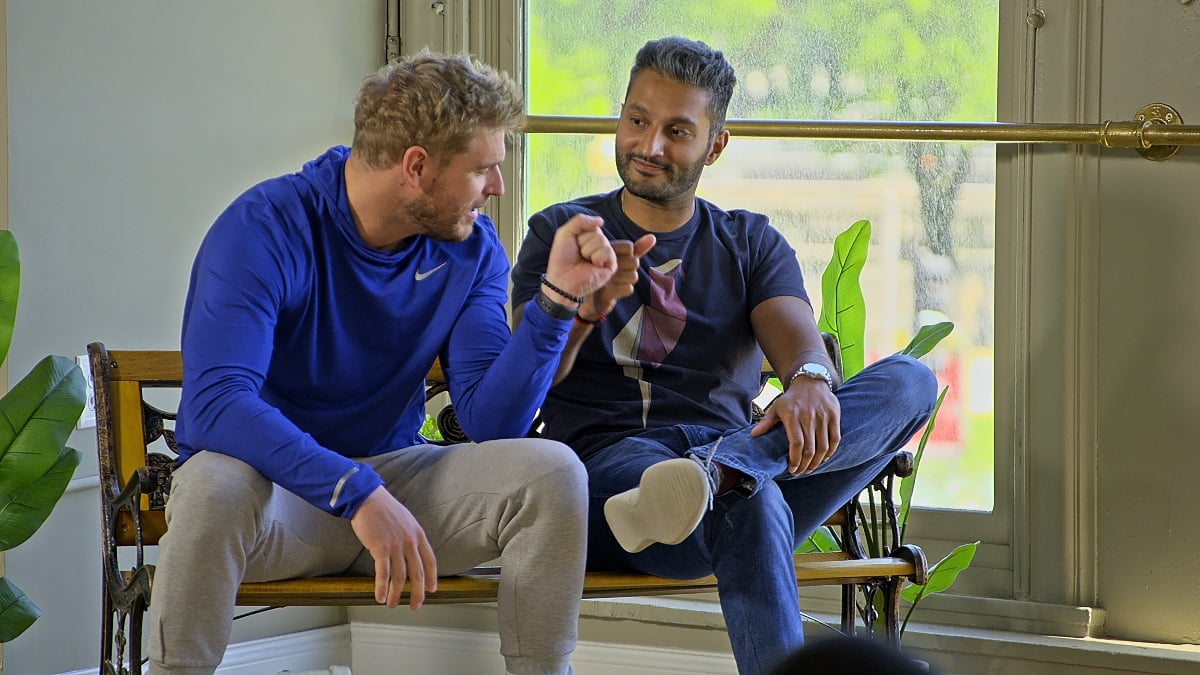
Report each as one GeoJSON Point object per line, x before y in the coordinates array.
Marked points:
{"type": "Point", "coordinates": [1157, 131]}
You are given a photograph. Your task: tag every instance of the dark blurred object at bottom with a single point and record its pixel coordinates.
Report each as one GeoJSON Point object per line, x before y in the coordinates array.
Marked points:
{"type": "Point", "coordinates": [851, 656]}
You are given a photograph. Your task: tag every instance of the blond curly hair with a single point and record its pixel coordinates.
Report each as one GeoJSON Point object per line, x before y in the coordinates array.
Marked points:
{"type": "Point", "coordinates": [435, 101]}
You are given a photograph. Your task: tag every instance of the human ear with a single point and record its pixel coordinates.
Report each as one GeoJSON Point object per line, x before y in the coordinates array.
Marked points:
{"type": "Point", "coordinates": [718, 146]}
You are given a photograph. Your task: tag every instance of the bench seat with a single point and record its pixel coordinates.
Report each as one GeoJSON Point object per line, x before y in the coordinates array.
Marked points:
{"type": "Point", "coordinates": [481, 583]}
{"type": "Point", "coordinates": [136, 449]}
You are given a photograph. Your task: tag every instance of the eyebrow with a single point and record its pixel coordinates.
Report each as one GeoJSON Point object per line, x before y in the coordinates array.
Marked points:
{"type": "Point", "coordinates": [680, 119]}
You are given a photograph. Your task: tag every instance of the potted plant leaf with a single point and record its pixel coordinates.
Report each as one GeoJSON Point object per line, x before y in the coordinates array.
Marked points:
{"type": "Point", "coordinates": [36, 418]}
{"type": "Point", "coordinates": [843, 314]}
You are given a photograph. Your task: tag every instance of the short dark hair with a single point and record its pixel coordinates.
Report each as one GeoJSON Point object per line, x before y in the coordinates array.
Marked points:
{"type": "Point", "coordinates": [694, 63]}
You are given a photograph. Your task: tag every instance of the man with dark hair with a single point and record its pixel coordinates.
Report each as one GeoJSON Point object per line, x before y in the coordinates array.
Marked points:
{"type": "Point", "coordinates": [682, 484]}
{"type": "Point", "coordinates": [318, 302]}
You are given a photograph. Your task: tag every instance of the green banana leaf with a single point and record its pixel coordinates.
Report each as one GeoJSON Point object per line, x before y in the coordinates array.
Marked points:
{"type": "Point", "coordinates": [943, 574]}
{"type": "Point", "coordinates": [909, 482]}
{"type": "Point", "coordinates": [843, 308]}
{"type": "Point", "coordinates": [941, 577]}
{"type": "Point", "coordinates": [10, 288]}
{"type": "Point", "coordinates": [927, 338]}
{"type": "Point", "coordinates": [36, 418]}
{"type": "Point", "coordinates": [822, 540]}
{"type": "Point", "coordinates": [17, 611]}
{"type": "Point", "coordinates": [843, 313]}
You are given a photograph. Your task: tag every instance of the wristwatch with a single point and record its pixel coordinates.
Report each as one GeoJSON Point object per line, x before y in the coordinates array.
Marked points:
{"type": "Point", "coordinates": [813, 371]}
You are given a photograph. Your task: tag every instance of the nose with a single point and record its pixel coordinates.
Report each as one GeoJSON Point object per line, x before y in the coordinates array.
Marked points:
{"type": "Point", "coordinates": [652, 143]}
{"type": "Point", "coordinates": [495, 183]}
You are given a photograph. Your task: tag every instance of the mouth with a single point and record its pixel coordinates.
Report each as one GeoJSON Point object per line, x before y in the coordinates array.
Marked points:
{"type": "Point", "coordinates": [646, 166]}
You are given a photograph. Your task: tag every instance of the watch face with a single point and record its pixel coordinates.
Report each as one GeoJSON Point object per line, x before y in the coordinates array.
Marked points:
{"type": "Point", "coordinates": [816, 369]}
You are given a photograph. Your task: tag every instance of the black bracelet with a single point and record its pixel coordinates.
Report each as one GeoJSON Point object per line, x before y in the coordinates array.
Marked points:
{"type": "Point", "coordinates": [553, 308]}
{"type": "Point", "coordinates": [573, 298]}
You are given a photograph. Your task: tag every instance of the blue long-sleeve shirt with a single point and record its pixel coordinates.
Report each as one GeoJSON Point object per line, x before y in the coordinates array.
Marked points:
{"type": "Point", "coordinates": [304, 348]}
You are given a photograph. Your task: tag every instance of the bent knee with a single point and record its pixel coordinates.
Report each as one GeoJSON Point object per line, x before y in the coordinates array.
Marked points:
{"type": "Point", "coordinates": [913, 384]}
{"type": "Point", "coordinates": [557, 471]}
{"type": "Point", "coordinates": [213, 483]}
{"type": "Point", "coordinates": [562, 461]}
{"type": "Point", "coordinates": [546, 457]}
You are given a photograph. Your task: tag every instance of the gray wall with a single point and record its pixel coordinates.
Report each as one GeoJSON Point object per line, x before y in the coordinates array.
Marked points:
{"type": "Point", "coordinates": [1148, 383]}
{"type": "Point", "coordinates": [131, 124]}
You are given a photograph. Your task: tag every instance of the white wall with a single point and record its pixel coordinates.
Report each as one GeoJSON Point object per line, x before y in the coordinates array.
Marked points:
{"type": "Point", "coordinates": [131, 124]}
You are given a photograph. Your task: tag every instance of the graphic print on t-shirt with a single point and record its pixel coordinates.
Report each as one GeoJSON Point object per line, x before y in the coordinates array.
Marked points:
{"type": "Point", "coordinates": [653, 330]}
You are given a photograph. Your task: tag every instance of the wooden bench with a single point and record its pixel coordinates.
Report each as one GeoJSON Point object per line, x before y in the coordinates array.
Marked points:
{"type": "Point", "coordinates": [136, 446]}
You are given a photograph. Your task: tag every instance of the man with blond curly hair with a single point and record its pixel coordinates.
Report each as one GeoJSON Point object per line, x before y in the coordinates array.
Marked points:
{"type": "Point", "coordinates": [318, 301]}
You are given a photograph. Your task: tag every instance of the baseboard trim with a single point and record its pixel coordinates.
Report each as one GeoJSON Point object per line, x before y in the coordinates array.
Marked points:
{"type": "Point", "coordinates": [371, 647]}
{"type": "Point", "coordinates": [451, 651]}
{"type": "Point", "coordinates": [316, 649]}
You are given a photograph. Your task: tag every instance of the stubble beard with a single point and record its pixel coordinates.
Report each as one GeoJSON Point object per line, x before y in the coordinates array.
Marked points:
{"type": "Point", "coordinates": [678, 183]}
{"type": "Point", "coordinates": [433, 221]}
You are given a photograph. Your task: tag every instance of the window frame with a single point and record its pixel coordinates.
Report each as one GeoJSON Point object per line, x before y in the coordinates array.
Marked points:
{"type": "Point", "coordinates": [1044, 430]}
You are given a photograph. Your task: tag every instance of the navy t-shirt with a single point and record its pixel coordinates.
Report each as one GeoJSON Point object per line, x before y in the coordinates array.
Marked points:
{"type": "Point", "coordinates": [681, 349]}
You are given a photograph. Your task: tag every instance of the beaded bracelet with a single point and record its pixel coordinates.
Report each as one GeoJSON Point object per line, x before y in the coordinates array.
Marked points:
{"type": "Point", "coordinates": [573, 298]}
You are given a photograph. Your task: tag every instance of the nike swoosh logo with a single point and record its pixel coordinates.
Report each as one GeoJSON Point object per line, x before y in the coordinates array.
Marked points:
{"type": "Point", "coordinates": [419, 275]}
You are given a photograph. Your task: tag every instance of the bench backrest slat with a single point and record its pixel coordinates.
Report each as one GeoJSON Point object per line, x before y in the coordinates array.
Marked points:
{"type": "Point", "coordinates": [120, 377]}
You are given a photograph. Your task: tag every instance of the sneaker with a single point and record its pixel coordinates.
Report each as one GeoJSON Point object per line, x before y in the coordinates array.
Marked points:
{"type": "Point", "coordinates": [665, 508]}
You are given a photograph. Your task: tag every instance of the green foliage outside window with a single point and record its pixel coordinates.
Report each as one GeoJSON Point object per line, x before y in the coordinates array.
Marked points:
{"type": "Point", "coordinates": [809, 59]}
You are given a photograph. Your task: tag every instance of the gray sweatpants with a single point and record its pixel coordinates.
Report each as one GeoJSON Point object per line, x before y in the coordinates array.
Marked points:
{"type": "Point", "coordinates": [523, 501]}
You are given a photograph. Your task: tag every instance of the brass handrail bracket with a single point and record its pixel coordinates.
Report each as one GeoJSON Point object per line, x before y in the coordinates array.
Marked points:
{"type": "Point", "coordinates": [1141, 133]}
{"type": "Point", "coordinates": [1150, 115]}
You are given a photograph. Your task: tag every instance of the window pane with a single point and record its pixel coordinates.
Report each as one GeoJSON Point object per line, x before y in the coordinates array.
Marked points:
{"type": "Point", "coordinates": [931, 205]}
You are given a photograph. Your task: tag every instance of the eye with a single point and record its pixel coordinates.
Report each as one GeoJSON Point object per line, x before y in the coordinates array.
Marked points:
{"type": "Point", "coordinates": [680, 132]}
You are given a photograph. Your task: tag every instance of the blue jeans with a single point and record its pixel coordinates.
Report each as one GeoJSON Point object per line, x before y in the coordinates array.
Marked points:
{"type": "Point", "coordinates": [747, 541]}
